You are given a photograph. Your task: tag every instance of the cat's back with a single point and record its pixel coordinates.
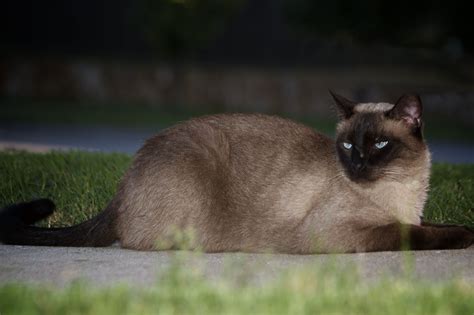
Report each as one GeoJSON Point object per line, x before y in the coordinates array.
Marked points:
{"type": "Point", "coordinates": [236, 144]}
{"type": "Point", "coordinates": [259, 134]}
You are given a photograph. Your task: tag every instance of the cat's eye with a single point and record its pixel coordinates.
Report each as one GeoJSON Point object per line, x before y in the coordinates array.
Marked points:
{"type": "Point", "coordinates": [347, 145]}
{"type": "Point", "coordinates": [381, 144]}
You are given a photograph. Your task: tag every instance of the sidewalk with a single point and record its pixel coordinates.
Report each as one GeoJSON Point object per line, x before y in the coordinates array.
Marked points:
{"type": "Point", "coordinates": [60, 266]}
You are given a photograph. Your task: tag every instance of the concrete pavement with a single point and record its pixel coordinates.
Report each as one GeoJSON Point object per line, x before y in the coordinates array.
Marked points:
{"type": "Point", "coordinates": [107, 266]}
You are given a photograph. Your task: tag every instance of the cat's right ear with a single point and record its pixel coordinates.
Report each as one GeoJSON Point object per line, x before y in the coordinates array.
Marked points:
{"type": "Point", "coordinates": [345, 107]}
{"type": "Point", "coordinates": [408, 108]}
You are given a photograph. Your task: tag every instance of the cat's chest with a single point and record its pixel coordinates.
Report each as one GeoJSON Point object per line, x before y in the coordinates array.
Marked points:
{"type": "Point", "coordinates": [402, 200]}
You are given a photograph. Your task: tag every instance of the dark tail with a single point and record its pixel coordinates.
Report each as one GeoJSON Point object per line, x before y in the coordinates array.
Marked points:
{"type": "Point", "coordinates": [16, 227]}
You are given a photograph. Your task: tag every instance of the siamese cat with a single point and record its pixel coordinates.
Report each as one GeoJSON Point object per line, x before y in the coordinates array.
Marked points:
{"type": "Point", "coordinates": [258, 183]}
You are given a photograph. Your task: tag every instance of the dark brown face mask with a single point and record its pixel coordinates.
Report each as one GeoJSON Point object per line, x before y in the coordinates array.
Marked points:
{"type": "Point", "coordinates": [369, 144]}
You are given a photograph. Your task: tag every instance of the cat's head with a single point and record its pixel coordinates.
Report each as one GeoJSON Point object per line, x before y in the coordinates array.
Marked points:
{"type": "Point", "coordinates": [376, 140]}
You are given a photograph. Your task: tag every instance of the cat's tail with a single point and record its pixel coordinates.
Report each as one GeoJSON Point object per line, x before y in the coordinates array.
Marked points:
{"type": "Point", "coordinates": [16, 227]}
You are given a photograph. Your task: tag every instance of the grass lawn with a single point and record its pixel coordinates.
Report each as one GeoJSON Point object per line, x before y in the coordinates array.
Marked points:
{"type": "Point", "coordinates": [82, 183]}
{"type": "Point", "coordinates": [310, 291]}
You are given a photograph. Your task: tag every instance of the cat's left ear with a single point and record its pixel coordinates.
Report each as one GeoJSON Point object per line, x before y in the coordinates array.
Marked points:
{"type": "Point", "coordinates": [409, 109]}
{"type": "Point", "coordinates": [345, 107]}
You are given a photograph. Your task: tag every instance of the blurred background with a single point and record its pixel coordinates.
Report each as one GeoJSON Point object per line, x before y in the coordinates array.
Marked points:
{"type": "Point", "coordinates": [105, 75]}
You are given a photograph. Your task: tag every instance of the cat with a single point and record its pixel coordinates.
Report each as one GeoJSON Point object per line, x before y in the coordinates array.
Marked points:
{"type": "Point", "coordinates": [258, 183]}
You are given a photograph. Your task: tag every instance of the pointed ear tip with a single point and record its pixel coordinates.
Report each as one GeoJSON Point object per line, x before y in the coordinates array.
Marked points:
{"type": "Point", "coordinates": [338, 98]}
{"type": "Point", "coordinates": [410, 99]}
{"type": "Point", "coordinates": [411, 96]}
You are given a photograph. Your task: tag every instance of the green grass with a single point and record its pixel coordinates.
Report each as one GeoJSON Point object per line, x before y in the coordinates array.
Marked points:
{"type": "Point", "coordinates": [309, 291]}
{"type": "Point", "coordinates": [82, 183]}
{"type": "Point", "coordinates": [451, 198]}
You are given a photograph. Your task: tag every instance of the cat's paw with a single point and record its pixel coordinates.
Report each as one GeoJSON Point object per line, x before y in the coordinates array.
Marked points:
{"type": "Point", "coordinates": [462, 237]}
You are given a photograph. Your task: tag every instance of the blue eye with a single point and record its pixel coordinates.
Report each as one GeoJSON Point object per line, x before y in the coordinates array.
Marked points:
{"type": "Point", "coordinates": [381, 144]}
{"type": "Point", "coordinates": [347, 145]}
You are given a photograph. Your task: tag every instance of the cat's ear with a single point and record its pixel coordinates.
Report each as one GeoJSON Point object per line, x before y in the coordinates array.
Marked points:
{"type": "Point", "coordinates": [345, 107]}
{"type": "Point", "coordinates": [409, 109]}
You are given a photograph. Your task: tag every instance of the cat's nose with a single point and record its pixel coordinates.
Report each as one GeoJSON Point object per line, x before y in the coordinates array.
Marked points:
{"type": "Point", "coordinates": [358, 161]}
{"type": "Point", "coordinates": [359, 166]}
